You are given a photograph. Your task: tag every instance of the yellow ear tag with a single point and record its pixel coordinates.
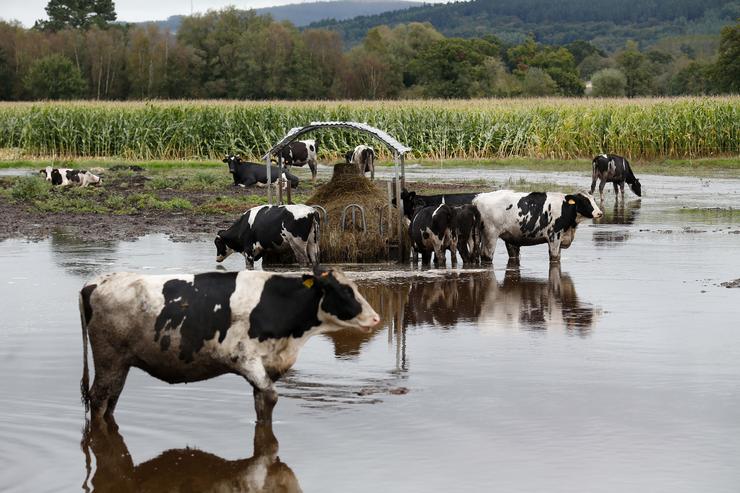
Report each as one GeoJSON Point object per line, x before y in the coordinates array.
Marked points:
{"type": "Point", "coordinates": [572, 202]}
{"type": "Point", "coordinates": [308, 282]}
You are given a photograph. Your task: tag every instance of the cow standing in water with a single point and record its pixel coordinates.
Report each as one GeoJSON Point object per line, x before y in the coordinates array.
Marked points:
{"type": "Point", "coordinates": [614, 169]}
{"type": "Point", "coordinates": [522, 219]}
{"type": "Point", "coordinates": [186, 328]}
{"type": "Point", "coordinates": [432, 230]}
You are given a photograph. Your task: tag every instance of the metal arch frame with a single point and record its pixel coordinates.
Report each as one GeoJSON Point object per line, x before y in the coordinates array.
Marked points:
{"type": "Point", "coordinates": [395, 146]}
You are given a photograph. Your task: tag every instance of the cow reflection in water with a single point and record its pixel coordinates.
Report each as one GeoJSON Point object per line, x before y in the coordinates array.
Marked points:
{"type": "Point", "coordinates": [184, 469]}
{"type": "Point", "coordinates": [536, 304]}
{"type": "Point", "coordinates": [621, 213]}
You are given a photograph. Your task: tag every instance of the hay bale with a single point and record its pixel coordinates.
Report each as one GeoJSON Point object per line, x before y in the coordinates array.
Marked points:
{"type": "Point", "coordinates": [349, 186]}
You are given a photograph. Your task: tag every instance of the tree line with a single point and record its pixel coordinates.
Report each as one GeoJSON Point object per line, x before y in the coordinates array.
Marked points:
{"type": "Point", "coordinates": [237, 54]}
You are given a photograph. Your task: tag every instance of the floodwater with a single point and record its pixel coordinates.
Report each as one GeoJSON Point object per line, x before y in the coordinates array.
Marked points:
{"type": "Point", "coordinates": [618, 370]}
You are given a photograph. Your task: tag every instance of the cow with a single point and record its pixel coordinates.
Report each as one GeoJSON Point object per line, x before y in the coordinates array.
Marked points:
{"type": "Point", "coordinates": [187, 328]}
{"type": "Point", "coordinates": [616, 170]}
{"type": "Point", "coordinates": [432, 230]}
{"type": "Point", "coordinates": [272, 227]}
{"type": "Point", "coordinates": [467, 232]}
{"type": "Point", "coordinates": [67, 176]}
{"type": "Point", "coordinates": [364, 157]}
{"type": "Point", "coordinates": [522, 219]}
{"type": "Point", "coordinates": [411, 200]}
{"type": "Point", "coordinates": [301, 152]}
{"type": "Point", "coordinates": [247, 174]}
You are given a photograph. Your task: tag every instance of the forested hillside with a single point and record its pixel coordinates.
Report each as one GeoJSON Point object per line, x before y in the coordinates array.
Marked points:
{"type": "Point", "coordinates": [606, 23]}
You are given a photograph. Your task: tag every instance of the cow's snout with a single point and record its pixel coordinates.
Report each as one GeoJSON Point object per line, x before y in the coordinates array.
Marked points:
{"type": "Point", "coordinates": [597, 213]}
{"type": "Point", "coordinates": [371, 323]}
{"type": "Point", "coordinates": [220, 258]}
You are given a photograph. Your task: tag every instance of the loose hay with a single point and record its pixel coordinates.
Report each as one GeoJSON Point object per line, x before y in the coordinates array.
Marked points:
{"type": "Point", "coordinates": [348, 186]}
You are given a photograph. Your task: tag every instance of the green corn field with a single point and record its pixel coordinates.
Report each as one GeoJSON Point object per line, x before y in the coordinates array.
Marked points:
{"type": "Point", "coordinates": [533, 128]}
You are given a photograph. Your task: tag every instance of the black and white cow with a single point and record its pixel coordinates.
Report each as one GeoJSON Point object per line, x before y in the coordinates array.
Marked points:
{"type": "Point", "coordinates": [247, 174]}
{"type": "Point", "coordinates": [432, 230]}
{"type": "Point", "coordinates": [364, 157]}
{"type": "Point", "coordinates": [467, 232]}
{"type": "Point", "coordinates": [276, 227]}
{"type": "Point", "coordinates": [300, 153]}
{"type": "Point", "coordinates": [187, 328]}
{"type": "Point", "coordinates": [411, 200]}
{"type": "Point", "coordinates": [616, 170]}
{"type": "Point", "coordinates": [522, 219]}
{"type": "Point", "coordinates": [68, 176]}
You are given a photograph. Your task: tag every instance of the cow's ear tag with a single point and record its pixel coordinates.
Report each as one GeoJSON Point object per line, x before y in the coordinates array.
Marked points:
{"type": "Point", "coordinates": [308, 282]}
{"type": "Point", "coordinates": [572, 202]}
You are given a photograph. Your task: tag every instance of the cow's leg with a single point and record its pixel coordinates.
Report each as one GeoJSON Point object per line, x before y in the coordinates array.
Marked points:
{"type": "Point", "coordinates": [621, 190]}
{"type": "Point", "coordinates": [512, 250]}
{"type": "Point", "coordinates": [602, 184]}
{"type": "Point", "coordinates": [312, 166]}
{"type": "Point", "coordinates": [554, 250]}
{"type": "Point", "coordinates": [426, 257]}
{"type": "Point", "coordinates": [616, 190]}
{"type": "Point", "coordinates": [593, 184]}
{"type": "Point", "coordinates": [453, 252]}
{"type": "Point", "coordinates": [110, 376]}
{"type": "Point", "coordinates": [265, 396]}
{"type": "Point", "coordinates": [372, 172]}
{"type": "Point", "coordinates": [489, 236]}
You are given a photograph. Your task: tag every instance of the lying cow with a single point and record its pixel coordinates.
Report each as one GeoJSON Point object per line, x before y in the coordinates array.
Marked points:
{"type": "Point", "coordinates": [411, 200]}
{"type": "Point", "coordinates": [187, 328]}
{"type": "Point", "coordinates": [522, 219]}
{"type": "Point", "coordinates": [432, 230]}
{"type": "Point", "coordinates": [68, 176]}
{"type": "Point", "coordinates": [467, 233]}
{"type": "Point", "coordinates": [248, 174]}
{"type": "Point", "coordinates": [364, 157]}
{"type": "Point", "coordinates": [276, 228]}
{"type": "Point", "coordinates": [300, 153]}
{"type": "Point", "coordinates": [616, 170]}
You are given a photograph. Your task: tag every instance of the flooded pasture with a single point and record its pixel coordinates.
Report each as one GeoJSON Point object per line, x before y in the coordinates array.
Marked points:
{"type": "Point", "coordinates": [617, 370]}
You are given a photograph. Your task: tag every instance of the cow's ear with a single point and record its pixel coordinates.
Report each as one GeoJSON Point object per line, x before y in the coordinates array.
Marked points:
{"type": "Point", "coordinates": [225, 160]}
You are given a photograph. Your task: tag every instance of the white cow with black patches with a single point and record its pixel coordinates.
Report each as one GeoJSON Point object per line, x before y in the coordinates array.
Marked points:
{"type": "Point", "coordinates": [67, 176]}
{"type": "Point", "coordinates": [522, 219]}
{"type": "Point", "coordinates": [193, 327]}
{"type": "Point", "coordinates": [277, 227]}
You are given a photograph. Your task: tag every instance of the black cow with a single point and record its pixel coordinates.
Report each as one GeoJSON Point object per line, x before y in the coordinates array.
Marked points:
{"type": "Point", "coordinates": [411, 200]}
{"type": "Point", "coordinates": [247, 174]}
{"type": "Point", "coordinates": [614, 169]}
{"type": "Point", "coordinates": [300, 153]}
{"type": "Point", "coordinates": [187, 328]}
{"type": "Point", "coordinates": [467, 232]}
{"type": "Point", "coordinates": [432, 230]}
{"type": "Point", "coordinates": [276, 228]}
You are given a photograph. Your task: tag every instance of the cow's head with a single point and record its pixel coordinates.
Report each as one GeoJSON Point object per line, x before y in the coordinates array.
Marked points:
{"type": "Point", "coordinates": [223, 250]}
{"type": "Point", "coordinates": [342, 306]}
{"type": "Point", "coordinates": [636, 187]}
{"type": "Point", "coordinates": [408, 199]}
{"type": "Point", "coordinates": [91, 178]}
{"type": "Point", "coordinates": [585, 204]}
{"type": "Point", "coordinates": [233, 161]}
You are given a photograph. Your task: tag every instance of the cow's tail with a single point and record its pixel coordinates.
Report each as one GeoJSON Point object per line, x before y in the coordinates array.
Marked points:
{"type": "Point", "coordinates": [85, 381]}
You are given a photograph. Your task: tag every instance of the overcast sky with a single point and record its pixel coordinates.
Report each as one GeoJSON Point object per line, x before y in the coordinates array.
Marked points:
{"type": "Point", "coordinates": [28, 11]}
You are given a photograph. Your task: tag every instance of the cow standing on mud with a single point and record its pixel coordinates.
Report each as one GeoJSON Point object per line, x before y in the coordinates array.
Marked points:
{"type": "Point", "coordinates": [364, 157]}
{"type": "Point", "coordinates": [523, 219]}
{"type": "Point", "coordinates": [187, 328]}
{"type": "Point", "coordinates": [300, 153]}
{"type": "Point", "coordinates": [272, 227]}
{"type": "Point", "coordinates": [614, 169]}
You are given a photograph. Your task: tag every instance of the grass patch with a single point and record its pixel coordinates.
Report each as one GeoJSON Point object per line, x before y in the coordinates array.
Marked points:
{"type": "Point", "coordinates": [710, 213]}
{"type": "Point", "coordinates": [29, 188]}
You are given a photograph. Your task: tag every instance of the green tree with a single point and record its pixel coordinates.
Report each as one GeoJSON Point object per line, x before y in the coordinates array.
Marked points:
{"type": "Point", "coordinates": [636, 68]}
{"type": "Point", "coordinates": [451, 68]}
{"type": "Point", "coordinates": [695, 78]}
{"type": "Point", "coordinates": [727, 68]}
{"type": "Point", "coordinates": [537, 82]}
{"type": "Point", "coordinates": [6, 77]}
{"type": "Point", "coordinates": [54, 77]}
{"type": "Point", "coordinates": [78, 14]}
{"type": "Point", "coordinates": [608, 83]}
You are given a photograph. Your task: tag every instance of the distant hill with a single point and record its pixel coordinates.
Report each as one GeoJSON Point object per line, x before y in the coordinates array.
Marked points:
{"type": "Point", "coordinates": [303, 14]}
{"type": "Point", "coordinates": [607, 23]}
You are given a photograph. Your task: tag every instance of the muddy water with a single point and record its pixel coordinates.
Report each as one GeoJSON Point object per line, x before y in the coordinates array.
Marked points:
{"type": "Point", "coordinates": [617, 371]}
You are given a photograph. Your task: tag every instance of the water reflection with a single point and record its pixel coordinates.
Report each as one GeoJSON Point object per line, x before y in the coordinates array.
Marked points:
{"type": "Point", "coordinates": [78, 256]}
{"type": "Point", "coordinates": [184, 469]}
{"type": "Point", "coordinates": [621, 213]}
{"type": "Point", "coordinates": [536, 304]}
